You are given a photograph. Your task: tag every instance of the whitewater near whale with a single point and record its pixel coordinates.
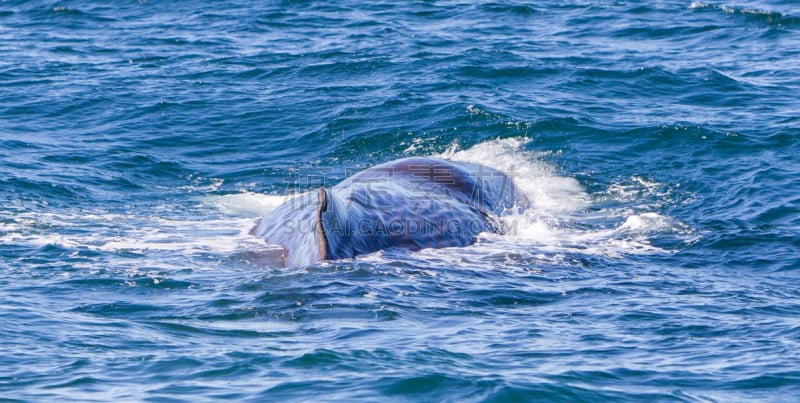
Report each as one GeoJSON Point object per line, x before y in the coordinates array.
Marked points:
{"type": "Point", "coordinates": [411, 203]}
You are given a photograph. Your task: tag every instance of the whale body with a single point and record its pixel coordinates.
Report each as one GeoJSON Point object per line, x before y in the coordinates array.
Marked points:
{"type": "Point", "coordinates": [411, 203]}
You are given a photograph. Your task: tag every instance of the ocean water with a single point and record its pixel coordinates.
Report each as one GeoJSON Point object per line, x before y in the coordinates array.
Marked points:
{"type": "Point", "coordinates": [659, 144]}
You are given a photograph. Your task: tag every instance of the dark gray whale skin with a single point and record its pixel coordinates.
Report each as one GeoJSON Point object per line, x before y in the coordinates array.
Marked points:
{"type": "Point", "coordinates": [411, 203]}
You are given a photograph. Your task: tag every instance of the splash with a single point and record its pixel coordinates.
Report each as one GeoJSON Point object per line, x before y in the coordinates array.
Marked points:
{"type": "Point", "coordinates": [563, 219]}
{"type": "Point", "coordinates": [550, 194]}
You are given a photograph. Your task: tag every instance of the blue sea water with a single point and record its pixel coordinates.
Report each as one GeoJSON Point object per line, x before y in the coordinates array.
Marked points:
{"type": "Point", "coordinates": [659, 144]}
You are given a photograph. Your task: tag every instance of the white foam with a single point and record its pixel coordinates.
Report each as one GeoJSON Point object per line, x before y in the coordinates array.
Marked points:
{"type": "Point", "coordinates": [564, 219]}
{"type": "Point", "coordinates": [697, 5]}
{"type": "Point", "coordinates": [751, 11]}
{"type": "Point", "coordinates": [128, 233]}
{"type": "Point", "coordinates": [550, 194]}
{"type": "Point", "coordinates": [647, 223]}
{"type": "Point", "coordinates": [247, 204]}
{"type": "Point", "coordinates": [560, 219]}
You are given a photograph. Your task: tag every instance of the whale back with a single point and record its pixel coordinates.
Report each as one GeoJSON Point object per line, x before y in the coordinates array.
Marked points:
{"type": "Point", "coordinates": [295, 227]}
{"type": "Point", "coordinates": [487, 189]}
{"type": "Point", "coordinates": [412, 203]}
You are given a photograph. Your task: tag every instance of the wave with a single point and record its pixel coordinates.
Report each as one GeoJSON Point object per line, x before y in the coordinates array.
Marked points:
{"type": "Point", "coordinates": [767, 17]}
{"type": "Point", "coordinates": [564, 218]}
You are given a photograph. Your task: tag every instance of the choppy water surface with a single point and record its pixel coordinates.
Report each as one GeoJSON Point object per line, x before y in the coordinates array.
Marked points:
{"type": "Point", "coordinates": [658, 144]}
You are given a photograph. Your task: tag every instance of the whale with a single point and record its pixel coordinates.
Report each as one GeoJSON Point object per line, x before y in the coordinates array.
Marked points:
{"type": "Point", "coordinates": [411, 203]}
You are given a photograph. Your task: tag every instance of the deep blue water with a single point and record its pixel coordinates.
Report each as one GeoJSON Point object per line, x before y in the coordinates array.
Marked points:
{"type": "Point", "coordinates": [658, 142]}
